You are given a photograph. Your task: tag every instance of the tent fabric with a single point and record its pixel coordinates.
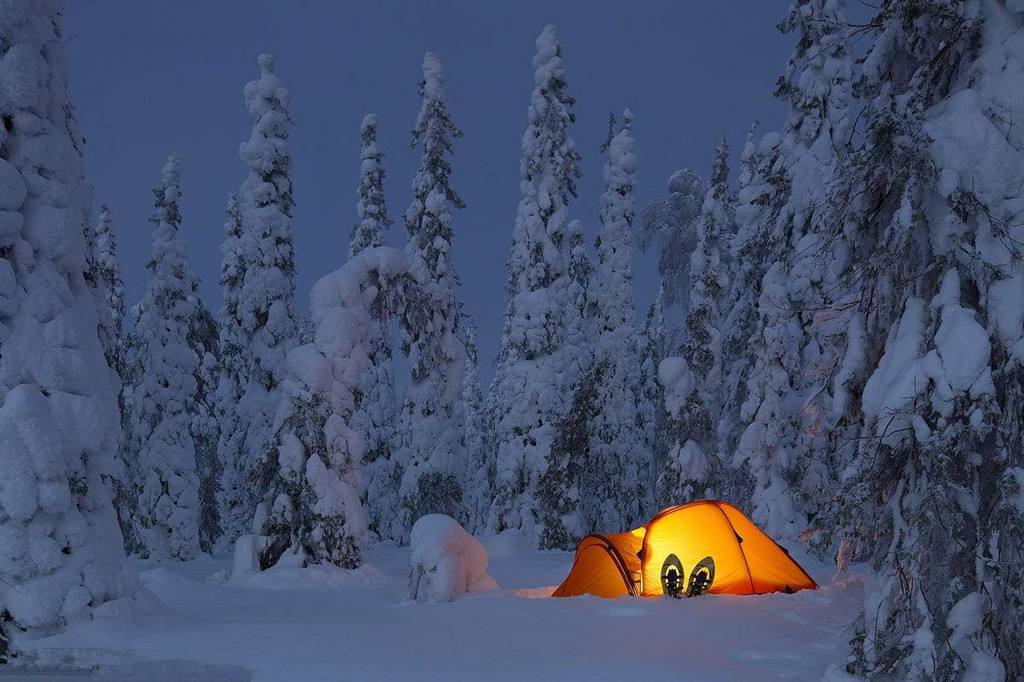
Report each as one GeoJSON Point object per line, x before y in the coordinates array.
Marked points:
{"type": "Point", "coordinates": [705, 545]}
{"type": "Point", "coordinates": [607, 565]}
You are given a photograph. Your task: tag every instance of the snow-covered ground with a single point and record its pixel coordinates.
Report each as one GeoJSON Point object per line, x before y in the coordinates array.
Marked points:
{"type": "Point", "coordinates": [328, 624]}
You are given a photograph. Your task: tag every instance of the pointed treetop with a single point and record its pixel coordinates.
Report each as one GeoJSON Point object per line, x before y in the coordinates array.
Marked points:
{"type": "Point", "coordinates": [233, 226]}
{"type": "Point", "coordinates": [621, 166]}
{"type": "Point", "coordinates": [171, 173]}
{"type": "Point", "coordinates": [432, 86]}
{"type": "Point", "coordinates": [436, 131]}
{"type": "Point", "coordinates": [609, 135]}
{"type": "Point", "coordinates": [167, 215]}
{"type": "Point", "coordinates": [106, 240]}
{"type": "Point", "coordinates": [547, 62]}
{"type": "Point", "coordinates": [546, 144]}
{"type": "Point", "coordinates": [575, 229]}
{"type": "Point", "coordinates": [750, 147]}
{"type": "Point", "coordinates": [265, 93]}
{"type": "Point", "coordinates": [720, 171]}
{"type": "Point", "coordinates": [371, 207]}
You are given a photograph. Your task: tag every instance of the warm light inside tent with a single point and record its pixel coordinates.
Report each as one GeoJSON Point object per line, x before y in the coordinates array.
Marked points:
{"type": "Point", "coordinates": [689, 549]}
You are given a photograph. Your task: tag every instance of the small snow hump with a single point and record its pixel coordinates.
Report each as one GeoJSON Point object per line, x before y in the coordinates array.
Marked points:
{"type": "Point", "coordinates": [446, 561]}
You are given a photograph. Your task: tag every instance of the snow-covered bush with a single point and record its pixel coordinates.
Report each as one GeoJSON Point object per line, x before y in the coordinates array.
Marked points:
{"type": "Point", "coordinates": [446, 561]}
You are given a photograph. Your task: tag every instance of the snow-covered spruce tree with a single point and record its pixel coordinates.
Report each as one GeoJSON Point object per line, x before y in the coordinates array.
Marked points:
{"type": "Point", "coordinates": [651, 414]}
{"type": "Point", "coordinates": [559, 484]}
{"type": "Point", "coordinates": [580, 310]}
{"type": "Point", "coordinates": [371, 207]}
{"type": "Point", "coordinates": [203, 339]}
{"type": "Point", "coordinates": [477, 475]}
{"type": "Point", "coordinates": [930, 207]}
{"type": "Point", "coordinates": [231, 345]}
{"type": "Point", "coordinates": [691, 381]}
{"type": "Point", "coordinates": [428, 452]}
{"type": "Point", "coordinates": [528, 394]}
{"type": "Point", "coordinates": [103, 275]}
{"type": "Point", "coordinates": [670, 225]}
{"type": "Point", "coordinates": [561, 521]}
{"type": "Point", "coordinates": [309, 475]}
{"type": "Point", "coordinates": [61, 558]}
{"type": "Point", "coordinates": [767, 444]}
{"type": "Point", "coordinates": [265, 309]}
{"type": "Point", "coordinates": [799, 313]}
{"type": "Point", "coordinates": [374, 416]}
{"type": "Point", "coordinates": [160, 402]}
{"type": "Point", "coordinates": [756, 205]}
{"type": "Point", "coordinates": [613, 479]}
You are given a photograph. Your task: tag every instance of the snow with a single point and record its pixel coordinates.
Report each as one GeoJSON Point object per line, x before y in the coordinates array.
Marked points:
{"type": "Point", "coordinates": [983, 668]}
{"type": "Point", "coordinates": [958, 364]}
{"type": "Point", "coordinates": [324, 623]}
{"type": "Point", "coordinates": [852, 363]}
{"type": "Point", "coordinates": [446, 561]}
{"type": "Point", "coordinates": [1016, 474]}
{"type": "Point", "coordinates": [963, 345]}
{"type": "Point", "coordinates": [677, 379]}
{"type": "Point", "coordinates": [898, 377]}
{"type": "Point", "coordinates": [1006, 306]}
{"type": "Point", "coordinates": [244, 559]}
{"type": "Point", "coordinates": [964, 619]}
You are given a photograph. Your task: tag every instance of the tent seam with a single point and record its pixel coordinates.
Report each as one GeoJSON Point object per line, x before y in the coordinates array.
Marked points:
{"type": "Point", "coordinates": [739, 544]}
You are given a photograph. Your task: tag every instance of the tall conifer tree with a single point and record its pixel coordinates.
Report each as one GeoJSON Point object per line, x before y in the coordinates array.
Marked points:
{"type": "Point", "coordinates": [528, 396]}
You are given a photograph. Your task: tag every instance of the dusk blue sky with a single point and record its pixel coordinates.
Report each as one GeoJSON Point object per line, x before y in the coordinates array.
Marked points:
{"type": "Point", "coordinates": [150, 77]}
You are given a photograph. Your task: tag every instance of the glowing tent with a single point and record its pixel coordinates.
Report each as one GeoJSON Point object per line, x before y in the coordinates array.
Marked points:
{"type": "Point", "coordinates": [701, 547]}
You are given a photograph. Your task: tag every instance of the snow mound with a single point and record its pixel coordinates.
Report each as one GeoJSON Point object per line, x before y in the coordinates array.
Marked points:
{"type": "Point", "coordinates": [245, 560]}
{"type": "Point", "coordinates": [508, 543]}
{"type": "Point", "coordinates": [446, 561]}
{"type": "Point", "coordinates": [291, 572]}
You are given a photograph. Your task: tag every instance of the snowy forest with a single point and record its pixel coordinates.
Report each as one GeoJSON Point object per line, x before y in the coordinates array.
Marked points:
{"type": "Point", "coordinates": [836, 347]}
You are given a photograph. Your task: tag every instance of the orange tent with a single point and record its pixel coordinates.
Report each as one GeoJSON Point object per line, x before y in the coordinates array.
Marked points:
{"type": "Point", "coordinates": [707, 546]}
